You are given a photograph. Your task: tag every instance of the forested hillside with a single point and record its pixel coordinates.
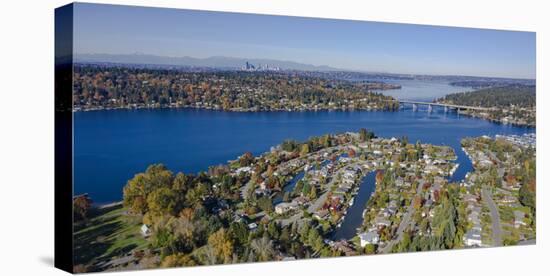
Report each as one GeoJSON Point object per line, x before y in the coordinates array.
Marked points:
{"type": "Point", "coordinates": [517, 95]}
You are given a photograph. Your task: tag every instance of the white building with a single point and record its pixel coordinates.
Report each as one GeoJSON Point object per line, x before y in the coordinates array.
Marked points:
{"type": "Point", "coordinates": [370, 237]}
{"type": "Point", "coordinates": [145, 230]}
{"type": "Point", "coordinates": [284, 207]}
{"type": "Point", "coordinates": [472, 238]}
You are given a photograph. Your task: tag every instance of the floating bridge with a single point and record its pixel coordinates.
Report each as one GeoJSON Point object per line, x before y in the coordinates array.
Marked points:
{"type": "Point", "coordinates": [447, 107]}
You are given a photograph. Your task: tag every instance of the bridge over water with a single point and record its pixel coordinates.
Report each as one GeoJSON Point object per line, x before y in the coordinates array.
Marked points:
{"type": "Point", "coordinates": [415, 105]}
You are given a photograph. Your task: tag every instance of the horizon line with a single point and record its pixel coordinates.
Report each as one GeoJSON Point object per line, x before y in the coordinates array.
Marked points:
{"type": "Point", "coordinates": [137, 53]}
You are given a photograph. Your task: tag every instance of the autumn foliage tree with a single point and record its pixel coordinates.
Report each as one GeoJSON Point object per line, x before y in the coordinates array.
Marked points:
{"type": "Point", "coordinates": [222, 245]}
{"type": "Point", "coordinates": [379, 176]}
{"type": "Point", "coordinates": [177, 260]}
{"type": "Point", "coordinates": [81, 207]}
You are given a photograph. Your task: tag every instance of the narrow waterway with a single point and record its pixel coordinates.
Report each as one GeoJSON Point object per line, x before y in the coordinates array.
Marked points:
{"type": "Point", "coordinates": [289, 187]}
{"type": "Point", "coordinates": [354, 215]}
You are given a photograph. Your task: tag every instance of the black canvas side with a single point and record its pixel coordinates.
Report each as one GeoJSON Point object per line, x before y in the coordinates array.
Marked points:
{"type": "Point", "coordinates": [63, 138]}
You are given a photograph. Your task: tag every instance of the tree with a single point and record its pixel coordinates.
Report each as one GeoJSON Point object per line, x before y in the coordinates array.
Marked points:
{"type": "Point", "coordinates": [326, 141]}
{"type": "Point", "coordinates": [370, 249]}
{"type": "Point", "coordinates": [137, 189]}
{"type": "Point", "coordinates": [527, 197]}
{"type": "Point", "coordinates": [222, 245]}
{"type": "Point", "coordinates": [157, 176]}
{"type": "Point", "coordinates": [314, 239]}
{"type": "Point", "coordinates": [289, 145]}
{"type": "Point", "coordinates": [304, 149]}
{"type": "Point", "coordinates": [134, 194]}
{"type": "Point", "coordinates": [246, 159]}
{"type": "Point", "coordinates": [239, 233]}
{"type": "Point", "coordinates": [181, 183]}
{"type": "Point", "coordinates": [306, 189]}
{"type": "Point", "coordinates": [81, 207]}
{"type": "Point", "coordinates": [444, 224]}
{"type": "Point", "coordinates": [417, 202]}
{"type": "Point", "coordinates": [365, 135]}
{"type": "Point", "coordinates": [379, 177]}
{"type": "Point", "coordinates": [313, 193]}
{"type": "Point", "coordinates": [265, 204]}
{"type": "Point", "coordinates": [362, 135]}
{"type": "Point", "coordinates": [273, 229]}
{"type": "Point", "coordinates": [186, 232]}
{"type": "Point", "coordinates": [263, 247]}
{"type": "Point", "coordinates": [404, 141]}
{"type": "Point", "coordinates": [163, 237]}
{"type": "Point", "coordinates": [161, 201]}
{"type": "Point", "coordinates": [177, 260]}
{"type": "Point", "coordinates": [284, 237]}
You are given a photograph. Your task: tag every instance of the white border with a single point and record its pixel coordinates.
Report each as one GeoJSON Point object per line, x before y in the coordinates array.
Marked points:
{"type": "Point", "coordinates": [26, 137]}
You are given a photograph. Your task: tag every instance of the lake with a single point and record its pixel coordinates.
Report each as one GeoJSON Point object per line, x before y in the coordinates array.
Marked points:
{"type": "Point", "coordinates": [422, 90]}
{"type": "Point", "coordinates": [111, 146]}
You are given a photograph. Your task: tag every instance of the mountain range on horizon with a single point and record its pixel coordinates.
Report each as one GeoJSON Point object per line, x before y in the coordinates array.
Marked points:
{"type": "Point", "coordinates": [214, 61]}
{"type": "Point", "coordinates": [237, 63]}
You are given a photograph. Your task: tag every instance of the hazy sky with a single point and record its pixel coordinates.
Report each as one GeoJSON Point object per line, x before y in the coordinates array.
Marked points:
{"type": "Point", "coordinates": [354, 45]}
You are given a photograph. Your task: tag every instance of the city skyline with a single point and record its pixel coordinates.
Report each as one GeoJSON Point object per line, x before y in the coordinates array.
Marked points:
{"type": "Point", "coordinates": [342, 44]}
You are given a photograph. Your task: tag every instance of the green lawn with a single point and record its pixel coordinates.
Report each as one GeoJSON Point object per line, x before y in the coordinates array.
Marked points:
{"type": "Point", "coordinates": [109, 234]}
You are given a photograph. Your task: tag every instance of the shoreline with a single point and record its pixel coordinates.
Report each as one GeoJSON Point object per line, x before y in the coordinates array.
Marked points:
{"type": "Point", "coordinates": [251, 110]}
{"type": "Point", "coordinates": [107, 205]}
{"type": "Point", "coordinates": [99, 109]}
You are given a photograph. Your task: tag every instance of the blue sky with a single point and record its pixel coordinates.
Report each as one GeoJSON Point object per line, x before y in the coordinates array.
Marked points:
{"type": "Point", "coordinates": [353, 45]}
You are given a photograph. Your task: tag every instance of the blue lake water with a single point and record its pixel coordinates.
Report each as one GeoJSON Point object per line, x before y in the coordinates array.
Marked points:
{"type": "Point", "coordinates": [354, 215]}
{"type": "Point", "coordinates": [422, 90]}
{"type": "Point", "coordinates": [111, 146]}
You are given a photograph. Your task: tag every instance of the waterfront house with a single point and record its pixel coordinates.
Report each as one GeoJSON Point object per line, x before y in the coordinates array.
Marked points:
{"type": "Point", "coordinates": [370, 237]}
{"type": "Point", "coordinates": [285, 207]}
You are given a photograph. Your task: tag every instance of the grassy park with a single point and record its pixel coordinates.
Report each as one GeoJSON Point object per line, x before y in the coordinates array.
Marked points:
{"type": "Point", "coordinates": [105, 235]}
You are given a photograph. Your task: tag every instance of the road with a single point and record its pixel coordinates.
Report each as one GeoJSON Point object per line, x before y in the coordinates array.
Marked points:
{"type": "Point", "coordinates": [448, 105]}
{"type": "Point", "coordinates": [292, 219]}
{"type": "Point", "coordinates": [405, 222]}
{"type": "Point", "coordinates": [486, 195]}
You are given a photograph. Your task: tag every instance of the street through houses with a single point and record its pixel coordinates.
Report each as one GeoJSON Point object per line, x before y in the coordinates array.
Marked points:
{"type": "Point", "coordinates": [486, 195]}
{"type": "Point", "coordinates": [405, 222]}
